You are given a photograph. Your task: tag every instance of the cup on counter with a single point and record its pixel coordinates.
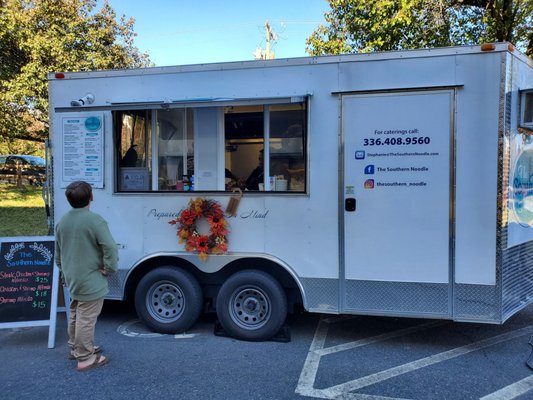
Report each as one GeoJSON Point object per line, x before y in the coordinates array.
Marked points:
{"type": "Point", "coordinates": [281, 185]}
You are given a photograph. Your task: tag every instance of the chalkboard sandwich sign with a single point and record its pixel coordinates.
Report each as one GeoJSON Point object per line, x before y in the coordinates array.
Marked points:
{"type": "Point", "coordinates": [28, 283]}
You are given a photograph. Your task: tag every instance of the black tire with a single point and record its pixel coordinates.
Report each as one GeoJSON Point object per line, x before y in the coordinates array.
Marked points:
{"type": "Point", "coordinates": [251, 305]}
{"type": "Point", "coordinates": [168, 300]}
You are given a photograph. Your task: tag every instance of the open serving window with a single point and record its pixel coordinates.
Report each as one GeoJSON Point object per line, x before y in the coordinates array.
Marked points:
{"type": "Point", "coordinates": [526, 109]}
{"type": "Point", "coordinates": [252, 145]}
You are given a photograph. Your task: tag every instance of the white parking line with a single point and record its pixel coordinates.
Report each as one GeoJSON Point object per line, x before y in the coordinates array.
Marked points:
{"type": "Point", "coordinates": [423, 362]}
{"type": "Point", "coordinates": [511, 391]}
{"type": "Point", "coordinates": [126, 330]}
{"type": "Point", "coordinates": [308, 375]}
{"type": "Point", "coordinates": [184, 335]}
{"type": "Point", "coordinates": [317, 350]}
{"type": "Point", "coordinates": [379, 338]}
{"type": "Point", "coordinates": [358, 396]}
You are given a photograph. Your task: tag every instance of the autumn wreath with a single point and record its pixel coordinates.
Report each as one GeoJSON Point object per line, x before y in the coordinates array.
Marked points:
{"type": "Point", "coordinates": [215, 242]}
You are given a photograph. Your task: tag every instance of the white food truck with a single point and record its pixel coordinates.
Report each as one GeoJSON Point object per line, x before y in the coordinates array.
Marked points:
{"type": "Point", "coordinates": [392, 184]}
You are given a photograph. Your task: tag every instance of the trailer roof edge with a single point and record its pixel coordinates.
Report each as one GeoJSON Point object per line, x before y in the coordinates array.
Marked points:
{"type": "Point", "coordinates": [327, 59]}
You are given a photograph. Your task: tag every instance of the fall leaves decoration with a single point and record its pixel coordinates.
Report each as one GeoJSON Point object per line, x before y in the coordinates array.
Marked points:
{"type": "Point", "coordinates": [213, 243]}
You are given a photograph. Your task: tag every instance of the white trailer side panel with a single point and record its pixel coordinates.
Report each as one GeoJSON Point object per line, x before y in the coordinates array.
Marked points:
{"type": "Point", "coordinates": [478, 107]}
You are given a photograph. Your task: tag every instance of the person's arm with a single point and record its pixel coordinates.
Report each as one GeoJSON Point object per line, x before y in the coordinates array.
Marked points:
{"type": "Point", "coordinates": [57, 257]}
{"type": "Point", "coordinates": [109, 249]}
{"type": "Point", "coordinates": [57, 253]}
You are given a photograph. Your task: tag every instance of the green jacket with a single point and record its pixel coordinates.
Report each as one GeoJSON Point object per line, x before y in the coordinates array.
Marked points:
{"type": "Point", "coordinates": [83, 248]}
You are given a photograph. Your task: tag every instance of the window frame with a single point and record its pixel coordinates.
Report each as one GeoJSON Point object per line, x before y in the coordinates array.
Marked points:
{"type": "Point", "coordinates": [151, 109]}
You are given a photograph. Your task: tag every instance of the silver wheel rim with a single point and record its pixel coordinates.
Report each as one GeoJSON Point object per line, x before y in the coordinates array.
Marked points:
{"type": "Point", "coordinates": [249, 307]}
{"type": "Point", "coordinates": [165, 301]}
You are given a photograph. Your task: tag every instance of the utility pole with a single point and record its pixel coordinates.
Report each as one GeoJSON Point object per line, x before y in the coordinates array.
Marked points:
{"type": "Point", "coordinates": [270, 35]}
{"type": "Point", "coordinates": [267, 54]}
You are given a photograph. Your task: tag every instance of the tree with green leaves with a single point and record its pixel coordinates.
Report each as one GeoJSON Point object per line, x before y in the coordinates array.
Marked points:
{"type": "Point", "coordinates": [378, 25]}
{"type": "Point", "coordinates": [42, 36]}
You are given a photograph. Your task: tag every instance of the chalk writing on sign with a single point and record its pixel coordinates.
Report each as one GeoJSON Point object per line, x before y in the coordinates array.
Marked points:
{"type": "Point", "coordinates": [26, 270]}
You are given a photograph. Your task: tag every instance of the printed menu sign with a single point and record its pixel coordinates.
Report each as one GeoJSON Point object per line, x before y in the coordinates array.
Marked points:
{"type": "Point", "coordinates": [26, 278]}
{"type": "Point", "coordinates": [83, 146]}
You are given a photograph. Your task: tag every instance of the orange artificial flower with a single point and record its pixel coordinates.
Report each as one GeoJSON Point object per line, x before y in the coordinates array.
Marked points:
{"type": "Point", "coordinates": [215, 242]}
{"type": "Point", "coordinates": [187, 217]}
{"type": "Point", "coordinates": [202, 243]}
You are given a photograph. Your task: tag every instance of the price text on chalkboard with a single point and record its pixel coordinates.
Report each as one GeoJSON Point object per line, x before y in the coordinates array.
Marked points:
{"type": "Point", "coordinates": [26, 272]}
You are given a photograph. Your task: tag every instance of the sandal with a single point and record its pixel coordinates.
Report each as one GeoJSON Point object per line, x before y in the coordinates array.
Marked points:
{"type": "Point", "coordinates": [99, 361]}
{"type": "Point", "coordinates": [97, 349]}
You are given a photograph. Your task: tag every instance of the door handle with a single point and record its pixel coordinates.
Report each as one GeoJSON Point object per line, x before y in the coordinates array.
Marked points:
{"type": "Point", "coordinates": [349, 204]}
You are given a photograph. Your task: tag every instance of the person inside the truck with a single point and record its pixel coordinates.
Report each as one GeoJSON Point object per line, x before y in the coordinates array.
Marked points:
{"type": "Point", "coordinates": [130, 158]}
{"type": "Point", "coordinates": [257, 175]}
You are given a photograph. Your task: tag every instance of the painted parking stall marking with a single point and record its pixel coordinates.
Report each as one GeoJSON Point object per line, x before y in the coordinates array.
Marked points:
{"type": "Point", "coordinates": [344, 390]}
{"type": "Point", "coordinates": [127, 329]}
{"type": "Point", "coordinates": [512, 391]}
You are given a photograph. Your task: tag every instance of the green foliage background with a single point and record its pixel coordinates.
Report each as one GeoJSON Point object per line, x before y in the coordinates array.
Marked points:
{"type": "Point", "coordinates": [38, 37]}
{"type": "Point", "coordinates": [380, 25]}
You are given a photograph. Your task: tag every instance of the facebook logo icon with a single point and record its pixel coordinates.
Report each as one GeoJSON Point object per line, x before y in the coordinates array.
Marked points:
{"type": "Point", "coordinates": [369, 170]}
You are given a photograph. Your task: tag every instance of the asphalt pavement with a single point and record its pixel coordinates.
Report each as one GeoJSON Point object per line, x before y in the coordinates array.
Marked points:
{"type": "Point", "coordinates": [328, 357]}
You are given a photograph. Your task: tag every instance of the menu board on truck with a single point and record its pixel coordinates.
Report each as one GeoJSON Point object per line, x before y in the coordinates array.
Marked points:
{"type": "Point", "coordinates": [82, 151]}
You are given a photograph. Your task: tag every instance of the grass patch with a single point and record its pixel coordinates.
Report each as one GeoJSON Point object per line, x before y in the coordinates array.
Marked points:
{"type": "Point", "coordinates": [22, 211]}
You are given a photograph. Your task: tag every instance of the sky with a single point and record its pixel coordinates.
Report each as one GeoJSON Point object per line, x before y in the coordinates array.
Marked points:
{"type": "Point", "coordinates": [179, 32]}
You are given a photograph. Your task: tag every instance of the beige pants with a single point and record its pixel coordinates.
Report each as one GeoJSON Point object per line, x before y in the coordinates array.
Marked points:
{"type": "Point", "coordinates": [81, 324]}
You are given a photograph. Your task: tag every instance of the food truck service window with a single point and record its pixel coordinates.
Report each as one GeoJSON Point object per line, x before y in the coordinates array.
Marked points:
{"type": "Point", "coordinates": [259, 147]}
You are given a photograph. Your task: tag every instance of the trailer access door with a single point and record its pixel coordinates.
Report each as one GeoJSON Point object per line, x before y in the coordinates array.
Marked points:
{"type": "Point", "coordinates": [398, 209]}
